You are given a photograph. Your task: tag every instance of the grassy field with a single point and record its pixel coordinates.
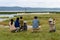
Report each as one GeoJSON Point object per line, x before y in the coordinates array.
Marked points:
{"type": "Point", "coordinates": [43, 18]}
{"type": "Point", "coordinates": [5, 34]}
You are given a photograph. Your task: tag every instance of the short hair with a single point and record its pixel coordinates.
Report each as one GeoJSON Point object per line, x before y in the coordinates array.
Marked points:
{"type": "Point", "coordinates": [17, 18]}
{"type": "Point", "coordinates": [11, 20]}
{"type": "Point", "coordinates": [35, 17]}
{"type": "Point", "coordinates": [21, 17]}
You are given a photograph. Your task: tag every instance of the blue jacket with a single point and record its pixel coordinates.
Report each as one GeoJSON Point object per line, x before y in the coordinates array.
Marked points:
{"type": "Point", "coordinates": [17, 23]}
{"type": "Point", "coordinates": [35, 23]}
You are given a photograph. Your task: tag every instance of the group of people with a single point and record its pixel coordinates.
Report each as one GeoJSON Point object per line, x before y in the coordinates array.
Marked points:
{"type": "Point", "coordinates": [20, 25]}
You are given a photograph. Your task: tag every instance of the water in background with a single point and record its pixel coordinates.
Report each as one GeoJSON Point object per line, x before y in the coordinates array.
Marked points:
{"type": "Point", "coordinates": [6, 15]}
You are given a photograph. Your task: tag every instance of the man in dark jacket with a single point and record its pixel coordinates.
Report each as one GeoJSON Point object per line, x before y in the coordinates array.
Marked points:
{"type": "Point", "coordinates": [17, 24]}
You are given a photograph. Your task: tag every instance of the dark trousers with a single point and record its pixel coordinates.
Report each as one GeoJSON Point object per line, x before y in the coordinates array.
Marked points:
{"type": "Point", "coordinates": [25, 27]}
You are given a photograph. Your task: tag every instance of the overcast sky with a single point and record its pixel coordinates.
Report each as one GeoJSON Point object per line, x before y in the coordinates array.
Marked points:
{"type": "Point", "coordinates": [31, 3]}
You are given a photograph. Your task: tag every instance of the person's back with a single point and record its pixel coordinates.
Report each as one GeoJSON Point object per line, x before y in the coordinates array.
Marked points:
{"type": "Point", "coordinates": [11, 25]}
{"type": "Point", "coordinates": [17, 23]}
{"type": "Point", "coordinates": [21, 23]}
{"type": "Point", "coordinates": [35, 24]}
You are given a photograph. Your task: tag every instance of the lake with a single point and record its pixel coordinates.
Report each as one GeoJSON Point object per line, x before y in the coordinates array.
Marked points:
{"type": "Point", "coordinates": [6, 15]}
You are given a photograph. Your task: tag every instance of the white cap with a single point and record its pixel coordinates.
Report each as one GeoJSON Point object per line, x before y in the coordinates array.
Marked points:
{"type": "Point", "coordinates": [50, 19]}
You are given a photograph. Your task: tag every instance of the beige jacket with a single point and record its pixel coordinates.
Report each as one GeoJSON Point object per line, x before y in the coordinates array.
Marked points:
{"type": "Point", "coordinates": [12, 27]}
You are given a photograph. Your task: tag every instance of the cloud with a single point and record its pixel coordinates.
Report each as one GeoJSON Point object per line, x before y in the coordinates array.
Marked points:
{"type": "Point", "coordinates": [31, 3]}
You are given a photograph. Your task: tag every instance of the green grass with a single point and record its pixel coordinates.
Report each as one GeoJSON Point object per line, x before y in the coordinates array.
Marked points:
{"type": "Point", "coordinates": [43, 18]}
{"type": "Point", "coordinates": [5, 33]}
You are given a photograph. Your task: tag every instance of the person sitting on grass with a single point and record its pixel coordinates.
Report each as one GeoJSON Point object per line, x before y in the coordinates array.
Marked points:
{"type": "Point", "coordinates": [35, 24]}
{"type": "Point", "coordinates": [11, 26]}
{"type": "Point", "coordinates": [52, 25]}
{"type": "Point", "coordinates": [21, 24]}
{"type": "Point", "coordinates": [25, 25]}
{"type": "Point", "coordinates": [17, 24]}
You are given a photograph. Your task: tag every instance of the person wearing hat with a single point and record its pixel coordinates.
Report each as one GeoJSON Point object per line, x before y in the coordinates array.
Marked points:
{"type": "Point", "coordinates": [51, 25]}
